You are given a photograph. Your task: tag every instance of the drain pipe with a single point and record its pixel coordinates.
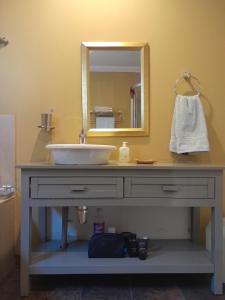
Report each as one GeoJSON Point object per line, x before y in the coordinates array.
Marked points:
{"type": "Point", "coordinates": [82, 212]}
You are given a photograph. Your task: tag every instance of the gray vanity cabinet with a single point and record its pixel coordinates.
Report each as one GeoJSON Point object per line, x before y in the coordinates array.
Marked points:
{"type": "Point", "coordinates": [168, 185]}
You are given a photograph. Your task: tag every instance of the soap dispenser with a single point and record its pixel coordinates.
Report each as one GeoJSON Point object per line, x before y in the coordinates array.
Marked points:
{"type": "Point", "coordinates": [124, 153]}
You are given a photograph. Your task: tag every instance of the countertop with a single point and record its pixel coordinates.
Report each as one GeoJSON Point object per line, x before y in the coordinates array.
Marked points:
{"type": "Point", "coordinates": [123, 166]}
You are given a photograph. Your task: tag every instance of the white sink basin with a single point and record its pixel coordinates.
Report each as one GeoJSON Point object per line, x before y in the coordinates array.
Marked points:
{"type": "Point", "coordinates": [81, 154]}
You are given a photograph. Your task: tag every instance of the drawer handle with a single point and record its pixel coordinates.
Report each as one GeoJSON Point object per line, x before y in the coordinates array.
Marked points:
{"type": "Point", "coordinates": [170, 188]}
{"type": "Point", "coordinates": [80, 188]}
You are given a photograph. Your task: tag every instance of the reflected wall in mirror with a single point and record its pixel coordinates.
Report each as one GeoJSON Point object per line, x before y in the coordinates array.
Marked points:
{"type": "Point", "coordinates": [115, 94]}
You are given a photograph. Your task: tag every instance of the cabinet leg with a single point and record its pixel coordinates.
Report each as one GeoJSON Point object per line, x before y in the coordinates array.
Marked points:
{"type": "Point", "coordinates": [25, 250]}
{"type": "Point", "coordinates": [24, 283]}
{"type": "Point", "coordinates": [216, 285]}
{"type": "Point", "coordinates": [216, 242]}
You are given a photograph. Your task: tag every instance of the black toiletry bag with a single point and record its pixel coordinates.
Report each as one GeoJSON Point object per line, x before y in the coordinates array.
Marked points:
{"type": "Point", "coordinates": [110, 245]}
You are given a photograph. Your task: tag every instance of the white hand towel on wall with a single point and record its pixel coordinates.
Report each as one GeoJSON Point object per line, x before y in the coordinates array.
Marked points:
{"type": "Point", "coordinates": [189, 131]}
{"type": "Point", "coordinates": [105, 122]}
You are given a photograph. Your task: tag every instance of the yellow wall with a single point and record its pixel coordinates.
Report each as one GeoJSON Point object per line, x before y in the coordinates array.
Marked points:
{"type": "Point", "coordinates": [41, 67]}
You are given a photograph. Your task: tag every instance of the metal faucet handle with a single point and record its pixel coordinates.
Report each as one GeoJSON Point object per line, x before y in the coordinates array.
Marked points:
{"type": "Point", "coordinates": [82, 136]}
{"type": "Point", "coordinates": [82, 131]}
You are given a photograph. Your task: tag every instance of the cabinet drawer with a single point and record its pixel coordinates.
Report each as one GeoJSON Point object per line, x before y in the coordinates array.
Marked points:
{"type": "Point", "coordinates": [76, 187]}
{"type": "Point", "coordinates": [169, 187]}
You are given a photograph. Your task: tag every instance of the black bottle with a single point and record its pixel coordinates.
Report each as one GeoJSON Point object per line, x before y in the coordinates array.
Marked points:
{"type": "Point", "coordinates": [142, 248]}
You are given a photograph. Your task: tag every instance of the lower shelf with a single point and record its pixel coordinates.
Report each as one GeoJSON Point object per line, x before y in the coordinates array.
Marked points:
{"type": "Point", "coordinates": [165, 256]}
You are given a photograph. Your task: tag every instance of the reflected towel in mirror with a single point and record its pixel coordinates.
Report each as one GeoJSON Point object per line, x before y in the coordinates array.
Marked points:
{"type": "Point", "coordinates": [105, 122]}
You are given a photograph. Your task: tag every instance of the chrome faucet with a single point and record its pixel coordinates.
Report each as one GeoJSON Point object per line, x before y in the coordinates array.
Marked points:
{"type": "Point", "coordinates": [82, 136]}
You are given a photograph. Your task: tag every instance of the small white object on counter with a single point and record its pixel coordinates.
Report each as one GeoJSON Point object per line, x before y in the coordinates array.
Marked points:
{"type": "Point", "coordinates": [124, 153]}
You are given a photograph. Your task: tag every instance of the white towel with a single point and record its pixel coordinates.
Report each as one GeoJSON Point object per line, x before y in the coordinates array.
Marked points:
{"type": "Point", "coordinates": [105, 122]}
{"type": "Point", "coordinates": [189, 131]}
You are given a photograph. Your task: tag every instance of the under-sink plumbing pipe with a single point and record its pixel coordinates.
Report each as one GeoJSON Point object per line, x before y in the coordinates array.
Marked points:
{"type": "Point", "coordinates": [82, 212]}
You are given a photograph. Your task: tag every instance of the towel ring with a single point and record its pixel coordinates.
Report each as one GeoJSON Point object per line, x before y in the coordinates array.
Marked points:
{"type": "Point", "coordinates": [186, 77]}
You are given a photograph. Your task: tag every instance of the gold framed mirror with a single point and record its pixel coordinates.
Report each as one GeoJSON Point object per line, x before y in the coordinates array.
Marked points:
{"type": "Point", "coordinates": [115, 88]}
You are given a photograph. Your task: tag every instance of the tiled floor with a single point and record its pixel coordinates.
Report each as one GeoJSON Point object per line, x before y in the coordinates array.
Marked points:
{"type": "Point", "coordinates": [115, 287]}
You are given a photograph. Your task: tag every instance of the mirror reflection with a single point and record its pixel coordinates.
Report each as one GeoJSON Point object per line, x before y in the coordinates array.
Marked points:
{"type": "Point", "coordinates": [115, 88]}
{"type": "Point", "coordinates": [113, 92]}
